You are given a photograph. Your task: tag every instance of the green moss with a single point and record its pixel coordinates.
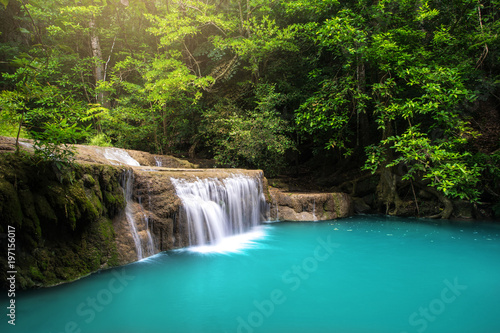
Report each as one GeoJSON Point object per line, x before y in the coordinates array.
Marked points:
{"type": "Point", "coordinates": [106, 178]}
{"type": "Point", "coordinates": [44, 265]}
{"type": "Point", "coordinates": [64, 228]}
{"type": "Point", "coordinates": [110, 198]}
{"type": "Point", "coordinates": [95, 259]}
{"type": "Point", "coordinates": [114, 201]}
{"type": "Point", "coordinates": [88, 180]}
{"type": "Point", "coordinates": [94, 196]}
{"type": "Point", "coordinates": [10, 207]}
{"type": "Point", "coordinates": [82, 203]}
{"type": "Point", "coordinates": [337, 205]}
{"type": "Point", "coordinates": [31, 220]}
{"type": "Point", "coordinates": [43, 208]}
{"type": "Point", "coordinates": [106, 229]}
{"type": "Point", "coordinates": [74, 202]}
{"type": "Point", "coordinates": [36, 274]}
{"type": "Point", "coordinates": [107, 234]}
{"type": "Point", "coordinates": [25, 283]}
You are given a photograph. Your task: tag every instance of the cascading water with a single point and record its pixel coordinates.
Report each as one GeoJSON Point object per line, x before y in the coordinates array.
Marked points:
{"type": "Point", "coordinates": [142, 237]}
{"type": "Point", "coordinates": [314, 211]}
{"type": "Point", "coordinates": [158, 161]}
{"type": "Point", "coordinates": [150, 247]}
{"type": "Point", "coordinates": [119, 157]}
{"type": "Point", "coordinates": [215, 208]}
{"type": "Point", "coordinates": [128, 182]}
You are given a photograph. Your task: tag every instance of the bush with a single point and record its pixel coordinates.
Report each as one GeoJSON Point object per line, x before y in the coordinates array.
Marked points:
{"type": "Point", "coordinates": [249, 138]}
{"type": "Point", "coordinates": [100, 139]}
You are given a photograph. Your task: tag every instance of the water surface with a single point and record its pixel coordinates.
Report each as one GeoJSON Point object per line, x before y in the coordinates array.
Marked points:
{"type": "Point", "coordinates": [356, 275]}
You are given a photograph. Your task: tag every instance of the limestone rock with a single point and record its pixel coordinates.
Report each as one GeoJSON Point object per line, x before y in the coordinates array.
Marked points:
{"type": "Point", "coordinates": [293, 206]}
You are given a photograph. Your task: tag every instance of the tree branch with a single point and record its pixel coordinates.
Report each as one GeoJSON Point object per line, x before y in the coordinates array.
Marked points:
{"type": "Point", "coordinates": [486, 50]}
{"type": "Point", "coordinates": [193, 59]}
{"type": "Point", "coordinates": [109, 58]}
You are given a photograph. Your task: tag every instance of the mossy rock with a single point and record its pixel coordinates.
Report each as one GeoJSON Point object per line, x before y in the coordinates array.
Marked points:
{"type": "Point", "coordinates": [63, 224]}
{"type": "Point", "coordinates": [88, 180]}
{"type": "Point", "coordinates": [10, 207]}
{"type": "Point", "coordinates": [35, 274]}
{"type": "Point", "coordinates": [30, 220]}
{"type": "Point", "coordinates": [44, 209]}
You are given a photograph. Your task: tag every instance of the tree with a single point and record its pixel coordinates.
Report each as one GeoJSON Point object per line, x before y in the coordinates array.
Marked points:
{"type": "Point", "coordinates": [255, 138]}
{"type": "Point", "coordinates": [51, 118]}
{"type": "Point", "coordinates": [410, 82]}
{"type": "Point", "coordinates": [398, 63]}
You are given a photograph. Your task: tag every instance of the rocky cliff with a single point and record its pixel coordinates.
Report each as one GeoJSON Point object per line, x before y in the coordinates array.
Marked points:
{"type": "Point", "coordinates": [63, 223]}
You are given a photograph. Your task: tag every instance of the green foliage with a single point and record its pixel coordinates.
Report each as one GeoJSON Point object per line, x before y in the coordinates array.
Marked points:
{"type": "Point", "coordinates": [450, 171]}
{"type": "Point", "coordinates": [429, 98]}
{"type": "Point", "coordinates": [252, 138]}
{"type": "Point", "coordinates": [400, 79]}
{"type": "Point", "coordinates": [399, 63]}
{"type": "Point", "coordinates": [53, 144]}
{"type": "Point", "coordinates": [264, 38]}
{"type": "Point", "coordinates": [101, 140]}
{"type": "Point", "coordinates": [8, 129]}
{"type": "Point", "coordinates": [49, 117]}
{"type": "Point", "coordinates": [132, 127]}
{"type": "Point", "coordinates": [330, 111]}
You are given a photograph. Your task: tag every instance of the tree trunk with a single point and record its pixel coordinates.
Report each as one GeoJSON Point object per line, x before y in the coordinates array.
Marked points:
{"type": "Point", "coordinates": [362, 123]}
{"type": "Point", "coordinates": [98, 61]}
{"type": "Point", "coordinates": [241, 18]}
{"type": "Point", "coordinates": [387, 191]}
{"type": "Point", "coordinates": [19, 131]}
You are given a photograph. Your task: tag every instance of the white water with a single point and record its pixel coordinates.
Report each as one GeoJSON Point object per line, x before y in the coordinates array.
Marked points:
{"type": "Point", "coordinates": [150, 247]}
{"type": "Point", "coordinates": [216, 209]}
{"type": "Point", "coordinates": [158, 161]}
{"type": "Point", "coordinates": [140, 244]}
{"type": "Point", "coordinates": [119, 157]}
{"type": "Point", "coordinates": [26, 144]}
{"type": "Point", "coordinates": [314, 210]}
{"type": "Point", "coordinates": [128, 182]}
{"type": "Point", "coordinates": [233, 244]}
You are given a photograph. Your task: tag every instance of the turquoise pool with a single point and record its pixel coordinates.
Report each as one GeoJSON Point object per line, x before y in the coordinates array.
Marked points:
{"type": "Point", "coordinates": [361, 274]}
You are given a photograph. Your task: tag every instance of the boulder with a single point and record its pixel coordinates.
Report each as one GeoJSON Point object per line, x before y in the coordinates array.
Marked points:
{"type": "Point", "coordinates": [294, 206]}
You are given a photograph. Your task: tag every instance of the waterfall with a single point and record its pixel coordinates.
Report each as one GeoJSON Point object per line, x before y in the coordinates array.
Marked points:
{"type": "Point", "coordinates": [277, 208]}
{"type": "Point", "coordinates": [119, 157]}
{"type": "Point", "coordinates": [314, 210]}
{"type": "Point", "coordinates": [215, 208]}
{"type": "Point", "coordinates": [149, 244]}
{"type": "Point", "coordinates": [140, 233]}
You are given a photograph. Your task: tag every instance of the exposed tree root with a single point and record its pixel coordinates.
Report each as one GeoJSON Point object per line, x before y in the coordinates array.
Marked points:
{"type": "Point", "coordinates": [387, 192]}
{"type": "Point", "coordinates": [448, 204]}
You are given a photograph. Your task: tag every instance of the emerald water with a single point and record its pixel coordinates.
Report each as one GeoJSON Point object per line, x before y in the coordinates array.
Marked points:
{"type": "Point", "coordinates": [360, 274]}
